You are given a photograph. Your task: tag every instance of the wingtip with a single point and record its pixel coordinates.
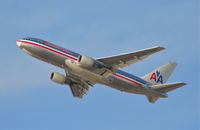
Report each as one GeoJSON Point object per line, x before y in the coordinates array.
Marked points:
{"type": "Point", "coordinates": [183, 83]}
{"type": "Point", "coordinates": [161, 48]}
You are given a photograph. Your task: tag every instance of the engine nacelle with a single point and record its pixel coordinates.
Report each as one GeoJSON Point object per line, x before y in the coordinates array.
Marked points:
{"type": "Point", "coordinates": [58, 78]}
{"type": "Point", "coordinates": [89, 63]}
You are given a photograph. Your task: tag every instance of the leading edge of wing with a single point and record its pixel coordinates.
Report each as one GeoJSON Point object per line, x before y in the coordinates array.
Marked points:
{"type": "Point", "coordinates": [158, 48]}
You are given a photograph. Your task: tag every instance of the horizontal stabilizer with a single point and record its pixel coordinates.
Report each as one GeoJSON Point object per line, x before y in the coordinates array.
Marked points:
{"type": "Point", "coordinates": [167, 87]}
{"type": "Point", "coordinates": [164, 88]}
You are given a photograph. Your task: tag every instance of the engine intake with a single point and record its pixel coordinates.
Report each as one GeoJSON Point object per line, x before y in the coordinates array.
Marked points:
{"type": "Point", "coordinates": [86, 62]}
{"type": "Point", "coordinates": [90, 63]}
{"type": "Point", "coordinates": [58, 78]}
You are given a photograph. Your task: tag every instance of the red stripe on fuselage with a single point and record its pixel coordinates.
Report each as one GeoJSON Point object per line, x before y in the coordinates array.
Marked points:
{"type": "Point", "coordinates": [32, 43]}
{"type": "Point", "coordinates": [127, 79]}
{"type": "Point", "coordinates": [37, 44]}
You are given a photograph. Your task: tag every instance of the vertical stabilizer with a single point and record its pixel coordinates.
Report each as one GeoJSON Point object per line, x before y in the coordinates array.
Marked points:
{"type": "Point", "coordinates": [161, 74]}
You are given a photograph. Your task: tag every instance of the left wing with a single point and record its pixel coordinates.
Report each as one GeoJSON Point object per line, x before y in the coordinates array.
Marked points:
{"type": "Point", "coordinates": [124, 60]}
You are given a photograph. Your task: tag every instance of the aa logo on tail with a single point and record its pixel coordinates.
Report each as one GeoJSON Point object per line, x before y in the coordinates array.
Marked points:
{"type": "Point", "coordinates": [157, 77]}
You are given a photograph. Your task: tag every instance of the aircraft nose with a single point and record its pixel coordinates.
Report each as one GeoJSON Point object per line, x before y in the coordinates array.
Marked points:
{"type": "Point", "coordinates": [19, 44]}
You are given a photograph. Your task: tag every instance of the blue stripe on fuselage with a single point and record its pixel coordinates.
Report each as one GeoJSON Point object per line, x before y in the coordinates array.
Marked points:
{"type": "Point", "coordinates": [131, 76]}
{"type": "Point", "coordinates": [53, 46]}
{"type": "Point", "coordinates": [77, 55]}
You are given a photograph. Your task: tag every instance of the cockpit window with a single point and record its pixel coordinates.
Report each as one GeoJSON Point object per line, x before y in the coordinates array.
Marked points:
{"type": "Point", "coordinates": [27, 38]}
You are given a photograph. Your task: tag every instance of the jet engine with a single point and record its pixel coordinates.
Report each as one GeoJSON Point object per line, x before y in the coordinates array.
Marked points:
{"type": "Point", "coordinates": [58, 78]}
{"type": "Point", "coordinates": [90, 63]}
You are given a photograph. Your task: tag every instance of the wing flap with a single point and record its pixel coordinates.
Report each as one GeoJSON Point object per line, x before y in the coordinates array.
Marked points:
{"type": "Point", "coordinates": [78, 90]}
{"type": "Point", "coordinates": [124, 60]}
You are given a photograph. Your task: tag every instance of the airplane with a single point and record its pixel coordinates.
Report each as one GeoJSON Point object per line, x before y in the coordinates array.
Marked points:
{"type": "Point", "coordinates": [82, 71]}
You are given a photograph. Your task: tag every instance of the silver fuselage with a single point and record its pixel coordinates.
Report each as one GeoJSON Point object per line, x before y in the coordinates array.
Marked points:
{"type": "Point", "coordinates": [57, 56]}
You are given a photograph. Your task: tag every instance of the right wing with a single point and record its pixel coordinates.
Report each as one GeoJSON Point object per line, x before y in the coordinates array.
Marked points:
{"type": "Point", "coordinates": [124, 60]}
